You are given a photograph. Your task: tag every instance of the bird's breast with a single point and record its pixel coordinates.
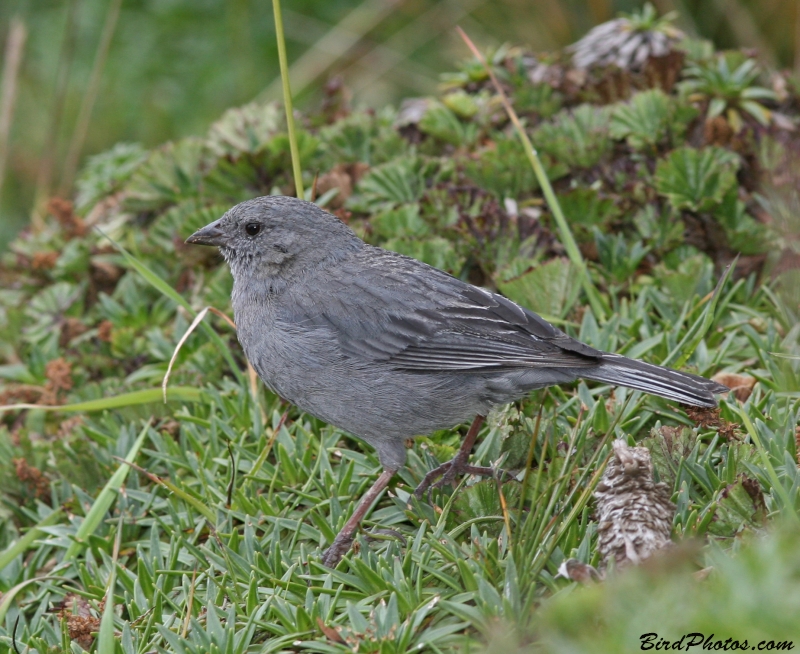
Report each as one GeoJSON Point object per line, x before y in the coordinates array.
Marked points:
{"type": "Point", "coordinates": [287, 355]}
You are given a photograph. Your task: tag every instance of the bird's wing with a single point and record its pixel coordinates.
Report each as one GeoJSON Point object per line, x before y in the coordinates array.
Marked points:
{"type": "Point", "coordinates": [402, 312]}
{"type": "Point", "coordinates": [486, 330]}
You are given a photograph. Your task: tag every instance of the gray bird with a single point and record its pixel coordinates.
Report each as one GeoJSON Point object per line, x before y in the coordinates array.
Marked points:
{"type": "Point", "coordinates": [388, 348]}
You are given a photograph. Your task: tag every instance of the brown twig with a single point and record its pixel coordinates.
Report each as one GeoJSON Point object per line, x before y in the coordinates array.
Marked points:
{"type": "Point", "coordinates": [504, 508]}
{"type": "Point", "coordinates": [187, 619]}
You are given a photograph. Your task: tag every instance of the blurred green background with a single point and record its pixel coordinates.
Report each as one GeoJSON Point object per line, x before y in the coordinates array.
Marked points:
{"type": "Point", "coordinates": [172, 66]}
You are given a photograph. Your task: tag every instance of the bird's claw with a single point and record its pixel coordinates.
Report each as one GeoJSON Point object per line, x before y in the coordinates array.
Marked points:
{"type": "Point", "coordinates": [447, 474]}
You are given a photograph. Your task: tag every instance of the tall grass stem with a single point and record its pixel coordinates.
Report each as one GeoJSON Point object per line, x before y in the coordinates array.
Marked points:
{"type": "Point", "coordinates": [567, 238]}
{"type": "Point", "coordinates": [287, 100]}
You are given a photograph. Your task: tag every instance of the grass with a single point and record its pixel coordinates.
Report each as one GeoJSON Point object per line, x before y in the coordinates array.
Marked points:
{"type": "Point", "coordinates": [197, 525]}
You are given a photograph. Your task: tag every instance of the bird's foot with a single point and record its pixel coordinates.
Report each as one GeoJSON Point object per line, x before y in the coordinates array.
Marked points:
{"type": "Point", "coordinates": [447, 474]}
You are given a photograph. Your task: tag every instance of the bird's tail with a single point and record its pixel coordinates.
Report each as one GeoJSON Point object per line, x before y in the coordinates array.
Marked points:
{"type": "Point", "coordinates": [657, 380]}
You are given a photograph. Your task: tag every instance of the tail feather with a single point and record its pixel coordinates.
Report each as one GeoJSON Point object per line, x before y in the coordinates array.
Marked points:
{"type": "Point", "coordinates": [657, 380]}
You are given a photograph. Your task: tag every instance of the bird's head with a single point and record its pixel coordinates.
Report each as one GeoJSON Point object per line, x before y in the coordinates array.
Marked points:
{"type": "Point", "coordinates": [276, 236]}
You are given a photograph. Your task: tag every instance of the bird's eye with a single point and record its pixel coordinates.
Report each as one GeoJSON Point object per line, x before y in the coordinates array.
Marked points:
{"type": "Point", "coordinates": [252, 229]}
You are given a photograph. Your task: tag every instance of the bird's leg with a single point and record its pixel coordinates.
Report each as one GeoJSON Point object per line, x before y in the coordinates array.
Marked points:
{"type": "Point", "coordinates": [344, 539]}
{"type": "Point", "coordinates": [448, 472]}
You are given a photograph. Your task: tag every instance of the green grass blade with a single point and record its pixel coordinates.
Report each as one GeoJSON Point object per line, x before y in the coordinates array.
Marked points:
{"type": "Point", "coordinates": [11, 593]}
{"type": "Point", "coordinates": [780, 489]}
{"type": "Point", "coordinates": [21, 545]}
{"type": "Point", "coordinates": [697, 332]}
{"type": "Point", "coordinates": [17, 372]}
{"type": "Point", "coordinates": [149, 276]}
{"type": "Point", "coordinates": [105, 499]}
{"type": "Point", "coordinates": [147, 396]}
{"type": "Point", "coordinates": [287, 100]}
{"type": "Point", "coordinates": [186, 497]}
{"type": "Point", "coordinates": [189, 499]}
{"type": "Point", "coordinates": [106, 640]}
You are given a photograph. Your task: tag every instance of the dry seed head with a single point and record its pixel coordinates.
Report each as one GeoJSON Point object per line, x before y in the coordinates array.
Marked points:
{"type": "Point", "coordinates": [634, 513]}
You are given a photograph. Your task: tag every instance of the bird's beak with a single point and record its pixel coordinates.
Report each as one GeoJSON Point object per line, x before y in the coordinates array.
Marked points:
{"type": "Point", "coordinates": [211, 234]}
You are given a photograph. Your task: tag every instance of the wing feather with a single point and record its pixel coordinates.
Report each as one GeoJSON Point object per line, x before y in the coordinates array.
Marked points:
{"type": "Point", "coordinates": [399, 311]}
